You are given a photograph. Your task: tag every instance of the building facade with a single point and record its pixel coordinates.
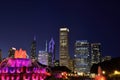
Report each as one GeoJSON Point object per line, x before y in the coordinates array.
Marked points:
{"type": "Point", "coordinates": [43, 57]}
{"type": "Point", "coordinates": [106, 58]}
{"type": "Point", "coordinates": [63, 47]}
{"type": "Point", "coordinates": [0, 55]}
{"type": "Point", "coordinates": [57, 63]}
{"type": "Point", "coordinates": [95, 53]}
{"type": "Point", "coordinates": [82, 57]}
{"type": "Point", "coordinates": [51, 52]}
{"type": "Point", "coordinates": [71, 65]}
{"type": "Point", "coordinates": [33, 49]}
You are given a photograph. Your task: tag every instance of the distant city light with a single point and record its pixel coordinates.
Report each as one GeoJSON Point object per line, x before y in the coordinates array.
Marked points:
{"type": "Point", "coordinates": [13, 48]}
{"type": "Point", "coordinates": [80, 73]}
{"type": "Point", "coordinates": [64, 29]}
{"type": "Point", "coordinates": [103, 72]}
{"type": "Point", "coordinates": [116, 72]}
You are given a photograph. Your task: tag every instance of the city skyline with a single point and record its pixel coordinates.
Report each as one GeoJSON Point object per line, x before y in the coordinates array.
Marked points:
{"type": "Point", "coordinates": [95, 21]}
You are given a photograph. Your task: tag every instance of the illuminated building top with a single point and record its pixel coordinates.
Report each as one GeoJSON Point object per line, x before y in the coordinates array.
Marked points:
{"type": "Point", "coordinates": [64, 29]}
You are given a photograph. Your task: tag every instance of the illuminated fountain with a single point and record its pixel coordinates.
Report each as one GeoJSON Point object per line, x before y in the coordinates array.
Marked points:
{"type": "Point", "coordinates": [21, 68]}
{"type": "Point", "coordinates": [100, 74]}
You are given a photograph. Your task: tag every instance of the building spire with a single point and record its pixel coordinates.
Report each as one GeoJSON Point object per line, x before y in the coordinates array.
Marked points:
{"type": "Point", "coordinates": [34, 37]}
{"type": "Point", "coordinates": [46, 46]}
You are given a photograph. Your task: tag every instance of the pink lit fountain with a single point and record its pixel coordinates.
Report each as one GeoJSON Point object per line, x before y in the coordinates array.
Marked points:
{"type": "Point", "coordinates": [21, 68]}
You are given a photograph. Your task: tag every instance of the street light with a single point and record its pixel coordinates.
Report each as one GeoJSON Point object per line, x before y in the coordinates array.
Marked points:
{"type": "Point", "coordinates": [116, 72]}
{"type": "Point", "coordinates": [103, 72]}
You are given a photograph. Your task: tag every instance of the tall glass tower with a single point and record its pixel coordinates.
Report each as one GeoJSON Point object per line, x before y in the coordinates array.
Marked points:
{"type": "Point", "coordinates": [33, 49]}
{"type": "Point", "coordinates": [51, 52]}
{"type": "Point", "coordinates": [63, 47]}
{"type": "Point", "coordinates": [81, 57]}
{"type": "Point", "coordinates": [95, 53]}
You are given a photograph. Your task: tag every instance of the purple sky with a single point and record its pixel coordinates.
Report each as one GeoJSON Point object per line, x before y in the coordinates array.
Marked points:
{"type": "Point", "coordinates": [95, 21]}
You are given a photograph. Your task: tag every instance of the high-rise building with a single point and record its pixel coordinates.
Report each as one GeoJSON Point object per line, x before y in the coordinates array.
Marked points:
{"type": "Point", "coordinates": [71, 64]}
{"type": "Point", "coordinates": [43, 57]}
{"type": "Point", "coordinates": [63, 47]}
{"type": "Point", "coordinates": [106, 58]}
{"type": "Point", "coordinates": [82, 57]}
{"type": "Point", "coordinates": [95, 53]}
{"type": "Point", "coordinates": [33, 49]}
{"type": "Point", "coordinates": [0, 55]}
{"type": "Point", "coordinates": [51, 52]}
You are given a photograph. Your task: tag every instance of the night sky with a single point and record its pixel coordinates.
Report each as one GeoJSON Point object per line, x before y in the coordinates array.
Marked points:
{"type": "Point", "coordinates": [95, 21]}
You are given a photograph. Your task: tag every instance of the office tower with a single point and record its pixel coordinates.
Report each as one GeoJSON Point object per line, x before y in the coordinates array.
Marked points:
{"type": "Point", "coordinates": [33, 49]}
{"type": "Point", "coordinates": [71, 64]}
{"type": "Point", "coordinates": [95, 53]}
{"type": "Point", "coordinates": [63, 47]}
{"type": "Point", "coordinates": [11, 52]}
{"type": "Point", "coordinates": [43, 57]}
{"type": "Point", "coordinates": [81, 57]}
{"type": "Point", "coordinates": [106, 58]}
{"type": "Point", "coordinates": [52, 52]}
{"type": "Point", "coordinates": [0, 55]}
{"type": "Point", "coordinates": [46, 46]}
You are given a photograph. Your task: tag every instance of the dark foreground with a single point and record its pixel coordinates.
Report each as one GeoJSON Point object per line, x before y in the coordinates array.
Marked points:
{"type": "Point", "coordinates": [82, 78]}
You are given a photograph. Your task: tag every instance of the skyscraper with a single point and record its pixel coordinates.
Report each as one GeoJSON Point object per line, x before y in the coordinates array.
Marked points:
{"type": "Point", "coordinates": [81, 57]}
{"type": "Point", "coordinates": [106, 58]}
{"type": "Point", "coordinates": [95, 53]}
{"type": "Point", "coordinates": [63, 47]}
{"type": "Point", "coordinates": [43, 57]}
{"type": "Point", "coordinates": [0, 55]}
{"type": "Point", "coordinates": [52, 52]}
{"type": "Point", "coordinates": [71, 64]}
{"type": "Point", "coordinates": [33, 49]}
